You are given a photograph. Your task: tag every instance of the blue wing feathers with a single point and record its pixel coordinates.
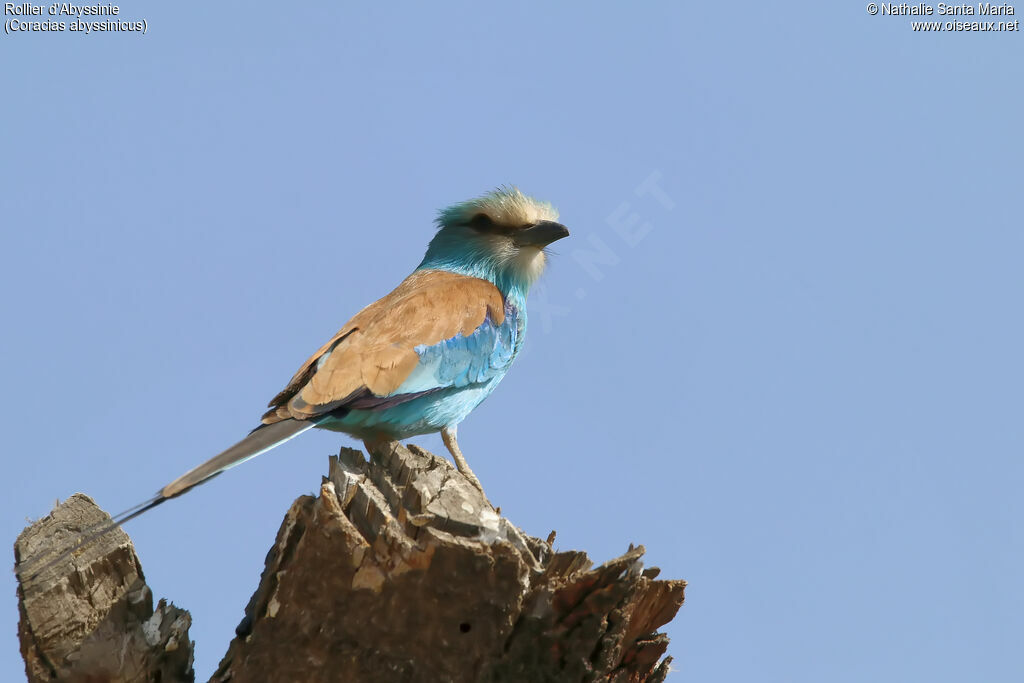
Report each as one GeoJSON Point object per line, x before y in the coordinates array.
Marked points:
{"type": "Point", "coordinates": [464, 360]}
{"type": "Point", "coordinates": [450, 380]}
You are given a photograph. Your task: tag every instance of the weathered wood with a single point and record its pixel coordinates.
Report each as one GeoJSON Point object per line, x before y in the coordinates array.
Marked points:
{"type": "Point", "coordinates": [400, 571]}
{"type": "Point", "coordinates": [89, 616]}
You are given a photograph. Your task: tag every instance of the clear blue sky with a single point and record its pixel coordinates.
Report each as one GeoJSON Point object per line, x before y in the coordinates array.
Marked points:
{"type": "Point", "coordinates": [796, 377]}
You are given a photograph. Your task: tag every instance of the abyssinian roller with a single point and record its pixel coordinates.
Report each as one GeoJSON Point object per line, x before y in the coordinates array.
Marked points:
{"type": "Point", "coordinates": [419, 360]}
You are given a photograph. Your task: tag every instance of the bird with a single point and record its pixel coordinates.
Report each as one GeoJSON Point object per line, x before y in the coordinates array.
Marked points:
{"type": "Point", "coordinates": [420, 359]}
{"type": "Point", "coordinates": [417, 361]}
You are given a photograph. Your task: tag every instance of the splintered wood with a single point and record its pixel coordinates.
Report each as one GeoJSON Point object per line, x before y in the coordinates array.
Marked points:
{"type": "Point", "coordinates": [89, 615]}
{"type": "Point", "coordinates": [401, 571]}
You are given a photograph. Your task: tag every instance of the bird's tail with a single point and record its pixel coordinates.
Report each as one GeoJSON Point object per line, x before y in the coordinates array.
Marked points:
{"type": "Point", "coordinates": [259, 441]}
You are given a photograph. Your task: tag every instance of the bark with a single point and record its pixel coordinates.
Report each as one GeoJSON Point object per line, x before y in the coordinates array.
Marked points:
{"type": "Point", "coordinates": [399, 570]}
{"type": "Point", "coordinates": [89, 617]}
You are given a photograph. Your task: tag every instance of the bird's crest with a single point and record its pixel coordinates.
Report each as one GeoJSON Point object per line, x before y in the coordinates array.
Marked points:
{"type": "Point", "coordinates": [506, 206]}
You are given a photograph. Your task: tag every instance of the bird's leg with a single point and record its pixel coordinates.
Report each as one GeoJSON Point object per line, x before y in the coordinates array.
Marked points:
{"type": "Point", "coordinates": [375, 441]}
{"type": "Point", "coordinates": [448, 436]}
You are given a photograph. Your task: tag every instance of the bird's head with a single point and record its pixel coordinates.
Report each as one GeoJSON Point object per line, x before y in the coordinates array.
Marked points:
{"type": "Point", "coordinates": [500, 236]}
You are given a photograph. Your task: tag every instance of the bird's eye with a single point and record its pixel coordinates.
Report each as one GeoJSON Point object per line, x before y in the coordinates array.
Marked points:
{"type": "Point", "coordinates": [481, 222]}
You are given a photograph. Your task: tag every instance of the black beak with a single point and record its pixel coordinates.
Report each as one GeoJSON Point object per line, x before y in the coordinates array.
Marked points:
{"type": "Point", "coordinates": [540, 235]}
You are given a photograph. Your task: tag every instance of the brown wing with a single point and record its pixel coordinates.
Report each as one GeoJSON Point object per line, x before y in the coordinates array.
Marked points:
{"type": "Point", "coordinates": [375, 351]}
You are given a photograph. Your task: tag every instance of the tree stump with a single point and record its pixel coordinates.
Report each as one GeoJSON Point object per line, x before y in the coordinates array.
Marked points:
{"type": "Point", "coordinates": [90, 616]}
{"type": "Point", "coordinates": [399, 570]}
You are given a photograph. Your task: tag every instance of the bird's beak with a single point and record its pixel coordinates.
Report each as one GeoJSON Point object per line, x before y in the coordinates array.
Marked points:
{"type": "Point", "coordinates": [540, 235]}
